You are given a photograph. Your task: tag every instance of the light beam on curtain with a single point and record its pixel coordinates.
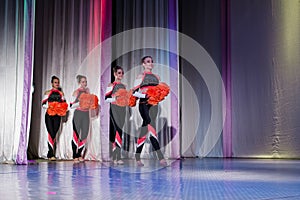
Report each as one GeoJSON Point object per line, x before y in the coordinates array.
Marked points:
{"type": "Point", "coordinates": [197, 102]}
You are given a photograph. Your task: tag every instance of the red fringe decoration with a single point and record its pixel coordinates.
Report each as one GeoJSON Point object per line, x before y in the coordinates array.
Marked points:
{"type": "Point", "coordinates": [157, 93]}
{"type": "Point", "coordinates": [57, 108]}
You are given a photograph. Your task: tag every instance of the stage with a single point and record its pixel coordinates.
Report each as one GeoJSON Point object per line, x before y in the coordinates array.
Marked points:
{"type": "Point", "coordinates": [190, 178]}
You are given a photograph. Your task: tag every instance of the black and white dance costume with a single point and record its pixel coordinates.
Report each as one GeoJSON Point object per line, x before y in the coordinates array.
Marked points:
{"type": "Point", "coordinates": [117, 115]}
{"type": "Point", "coordinates": [148, 113]}
{"type": "Point", "coordinates": [81, 124]}
{"type": "Point", "coordinates": [52, 122]}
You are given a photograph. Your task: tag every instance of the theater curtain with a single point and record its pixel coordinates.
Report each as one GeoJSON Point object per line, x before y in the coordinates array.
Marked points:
{"type": "Point", "coordinates": [201, 94]}
{"type": "Point", "coordinates": [265, 49]}
{"type": "Point", "coordinates": [16, 67]}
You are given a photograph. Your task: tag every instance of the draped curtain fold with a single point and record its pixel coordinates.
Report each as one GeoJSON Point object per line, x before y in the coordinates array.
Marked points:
{"type": "Point", "coordinates": [265, 48]}
{"type": "Point", "coordinates": [201, 22]}
{"type": "Point", "coordinates": [16, 63]}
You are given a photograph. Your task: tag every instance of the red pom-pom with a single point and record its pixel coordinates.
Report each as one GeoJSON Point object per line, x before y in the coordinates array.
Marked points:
{"type": "Point", "coordinates": [84, 101]}
{"type": "Point", "coordinates": [122, 97]}
{"type": "Point", "coordinates": [157, 93]}
{"type": "Point", "coordinates": [88, 101]}
{"type": "Point", "coordinates": [52, 108]}
{"type": "Point", "coordinates": [61, 108]}
{"type": "Point", "coordinates": [132, 99]}
{"type": "Point", "coordinates": [164, 90]}
{"type": "Point", "coordinates": [57, 108]}
{"type": "Point", "coordinates": [95, 102]}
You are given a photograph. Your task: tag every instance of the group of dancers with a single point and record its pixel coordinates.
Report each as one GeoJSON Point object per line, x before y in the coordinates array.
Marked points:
{"type": "Point", "coordinates": [147, 88]}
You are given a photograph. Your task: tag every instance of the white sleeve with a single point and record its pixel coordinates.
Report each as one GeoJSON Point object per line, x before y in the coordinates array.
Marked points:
{"type": "Point", "coordinates": [74, 105]}
{"type": "Point", "coordinates": [45, 102]}
{"type": "Point", "coordinates": [73, 99]}
{"type": "Point", "coordinates": [108, 90]}
{"type": "Point", "coordinates": [139, 95]}
{"type": "Point", "coordinates": [110, 100]}
{"type": "Point", "coordinates": [45, 106]}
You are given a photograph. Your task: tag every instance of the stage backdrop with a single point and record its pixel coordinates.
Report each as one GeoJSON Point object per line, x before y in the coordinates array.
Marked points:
{"type": "Point", "coordinates": [265, 53]}
{"type": "Point", "coordinates": [256, 51]}
{"type": "Point", "coordinates": [201, 21]}
{"type": "Point", "coordinates": [254, 45]}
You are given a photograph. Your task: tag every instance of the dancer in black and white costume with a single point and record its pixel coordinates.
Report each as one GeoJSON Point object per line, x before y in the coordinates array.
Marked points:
{"type": "Point", "coordinates": [147, 111]}
{"type": "Point", "coordinates": [52, 119]}
{"type": "Point", "coordinates": [81, 119]}
{"type": "Point", "coordinates": [117, 114]}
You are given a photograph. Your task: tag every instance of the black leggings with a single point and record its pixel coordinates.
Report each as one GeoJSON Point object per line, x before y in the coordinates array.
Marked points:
{"type": "Point", "coordinates": [81, 125]}
{"type": "Point", "coordinates": [117, 114]}
{"type": "Point", "coordinates": [149, 115]}
{"type": "Point", "coordinates": [52, 125]}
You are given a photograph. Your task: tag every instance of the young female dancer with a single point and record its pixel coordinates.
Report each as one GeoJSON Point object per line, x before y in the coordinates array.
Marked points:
{"type": "Point", "coordinates": [81, 119]}
{"type": "Point", "coordinates": [56, 106]}
{"type": "Point", "coordinates": [114, 93]}
{"type": "Point", "coordinates": [147, 111]}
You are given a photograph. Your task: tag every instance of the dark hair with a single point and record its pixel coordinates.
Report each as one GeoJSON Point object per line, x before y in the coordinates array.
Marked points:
{"type": "Point", "coordinates": [79, 77]}
{"type": "Point", "coordinates": [53, 78]}
{"type": "Point", "coordinates": [143, 59]}
{"type": "Point", "coordinates": [116, 68]}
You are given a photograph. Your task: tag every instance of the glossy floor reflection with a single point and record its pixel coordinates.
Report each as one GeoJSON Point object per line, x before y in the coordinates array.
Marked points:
{"type": "Point", "coordinates": [183, 179]}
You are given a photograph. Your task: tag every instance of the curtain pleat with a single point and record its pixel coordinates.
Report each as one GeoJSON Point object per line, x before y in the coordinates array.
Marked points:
{"type": "Point", "coordinates": [201, 22]}
{"type": "Point", "coordinates": [265, 46]}
{"type": "Point", "coordinates": [16, 63]}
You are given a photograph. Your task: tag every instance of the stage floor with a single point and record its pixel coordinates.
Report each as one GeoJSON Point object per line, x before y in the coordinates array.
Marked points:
{"type": "Point", "coordinates": [207, 178]}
